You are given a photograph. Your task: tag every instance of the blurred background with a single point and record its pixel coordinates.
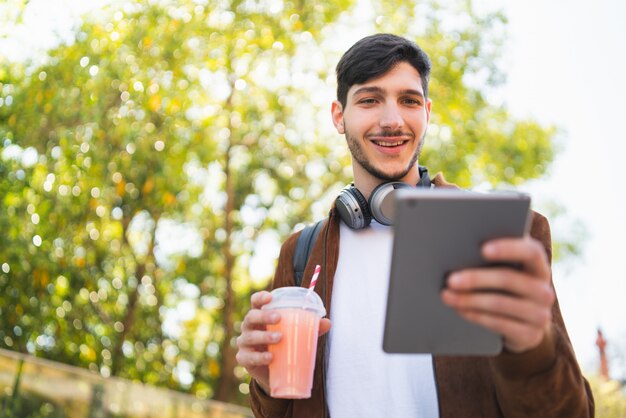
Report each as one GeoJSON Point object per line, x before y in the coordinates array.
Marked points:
{"type": "Point", "coordinates": [154, 155]}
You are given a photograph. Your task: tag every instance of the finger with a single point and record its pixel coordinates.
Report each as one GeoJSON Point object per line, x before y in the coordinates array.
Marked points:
{"type": "Point", "coordinates": [250, 359]}
{"type": "Point", "coordinates": [256, 338]}
{"type": "Point", "coordinates": [258, 319]}
{"type": "Point", "coordinates": [258, 299]}
{"type": "Point", "coordinates": [324, 326]}
{"type": "Point", "coordinates": [518, 336]}
{"type": "Point", "coordinates": [527, 251]}
{"type": "Point", "coordinates": [496, 304]}
{"type": "Point", "coordinates": [505, 280]}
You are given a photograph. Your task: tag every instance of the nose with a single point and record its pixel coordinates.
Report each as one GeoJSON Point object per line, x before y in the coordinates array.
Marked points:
{"type": "Point", "coordinates": [391, 118]}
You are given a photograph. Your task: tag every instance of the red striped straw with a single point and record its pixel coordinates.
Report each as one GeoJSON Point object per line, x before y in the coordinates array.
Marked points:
{"type": "Point", "coordinates": [314, 278]}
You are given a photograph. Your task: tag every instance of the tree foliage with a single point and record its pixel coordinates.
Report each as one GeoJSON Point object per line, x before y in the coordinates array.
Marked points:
{"type": "Point", "coordinates": [13, 12]}
{"type": "Point", "coordinates": [150, 165]}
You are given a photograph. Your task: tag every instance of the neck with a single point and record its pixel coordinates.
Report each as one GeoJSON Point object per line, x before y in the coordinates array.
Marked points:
{"type": "Point", "coordinates": [366, 182]}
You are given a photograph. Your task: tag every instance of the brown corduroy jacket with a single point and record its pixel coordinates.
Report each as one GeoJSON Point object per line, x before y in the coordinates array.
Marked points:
{"type": "Point", "coordinates": [545, 382]}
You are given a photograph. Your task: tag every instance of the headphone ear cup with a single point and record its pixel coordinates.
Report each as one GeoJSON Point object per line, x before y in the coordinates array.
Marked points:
{"type": "Point", "coordinates": [353, 208]}
{"type": "Point", "coordinates": [381, 201]}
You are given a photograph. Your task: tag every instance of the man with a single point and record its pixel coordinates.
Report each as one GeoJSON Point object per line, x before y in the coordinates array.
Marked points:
{"type": "Point", "coordinates": [383, 110]}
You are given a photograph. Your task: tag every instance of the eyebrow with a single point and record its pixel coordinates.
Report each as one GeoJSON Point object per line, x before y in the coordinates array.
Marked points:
{"type": "Point", "coordinates": [374, 89]}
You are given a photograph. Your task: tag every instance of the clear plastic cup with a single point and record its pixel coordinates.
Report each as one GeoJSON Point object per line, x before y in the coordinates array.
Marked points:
{"type": "Point", "coordinates": [291, 369]}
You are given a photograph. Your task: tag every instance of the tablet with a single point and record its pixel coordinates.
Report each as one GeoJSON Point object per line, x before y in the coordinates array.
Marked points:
{"type": "Point", "coordinates": [437, 231]}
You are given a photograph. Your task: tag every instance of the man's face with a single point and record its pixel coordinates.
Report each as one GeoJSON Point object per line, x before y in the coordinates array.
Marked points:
{"type": "Point", "coordinates": [385, 121]}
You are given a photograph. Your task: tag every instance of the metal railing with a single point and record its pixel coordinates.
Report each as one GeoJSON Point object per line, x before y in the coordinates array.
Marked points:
{"type": "Point", "coordinates": [31, 387]}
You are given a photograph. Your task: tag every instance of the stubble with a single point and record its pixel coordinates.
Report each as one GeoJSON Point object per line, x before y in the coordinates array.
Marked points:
{"type": "Point", "coordinates": [356, 149]}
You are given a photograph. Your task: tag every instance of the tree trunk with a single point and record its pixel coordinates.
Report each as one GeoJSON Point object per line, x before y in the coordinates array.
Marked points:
{"type": "Point", "coordinates": [227, 381]}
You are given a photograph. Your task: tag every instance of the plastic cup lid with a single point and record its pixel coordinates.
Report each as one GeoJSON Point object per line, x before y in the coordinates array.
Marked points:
{"type": "Point", "coordinates": [296, 297]}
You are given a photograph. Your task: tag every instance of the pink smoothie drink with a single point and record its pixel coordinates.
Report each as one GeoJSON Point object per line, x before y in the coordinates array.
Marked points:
{"type": "Point", "coordinates": [293, 361]}
{"type": "Point", "coordinates": [291, 370]}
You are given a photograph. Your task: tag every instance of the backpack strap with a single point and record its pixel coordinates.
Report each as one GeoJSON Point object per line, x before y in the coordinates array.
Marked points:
{"type": "Point", "coordinates": [304, 245]}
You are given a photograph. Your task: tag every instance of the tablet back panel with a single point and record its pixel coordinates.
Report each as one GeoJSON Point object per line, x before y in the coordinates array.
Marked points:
{"type": "Point", "coordinates": [437, 232]}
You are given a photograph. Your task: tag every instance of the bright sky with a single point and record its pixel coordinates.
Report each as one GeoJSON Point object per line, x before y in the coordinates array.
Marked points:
{"type": "Point", "coordinates": [565, 63]}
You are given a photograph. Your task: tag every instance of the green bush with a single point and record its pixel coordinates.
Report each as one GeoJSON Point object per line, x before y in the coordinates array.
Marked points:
{"type": "Point", "coordinates": [29, 406]}
{"type": "Point", "coordinates": [610, 397]}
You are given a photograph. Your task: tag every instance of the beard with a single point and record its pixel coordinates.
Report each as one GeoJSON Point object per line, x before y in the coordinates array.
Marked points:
{"type": "Point", "coordinates": [356, 149]}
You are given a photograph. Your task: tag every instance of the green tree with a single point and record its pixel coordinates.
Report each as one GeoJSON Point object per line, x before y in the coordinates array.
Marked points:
{"type": "Point", "coordinates": [145, 166]}
{"type": "Point", "coordinates": [161, 114]}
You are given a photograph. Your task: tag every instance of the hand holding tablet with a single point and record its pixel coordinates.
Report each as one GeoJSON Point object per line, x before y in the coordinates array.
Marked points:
{"type": "Point", "coordinates": [518, 303]}
{"type": "Point", "coordinates": [439, 232]}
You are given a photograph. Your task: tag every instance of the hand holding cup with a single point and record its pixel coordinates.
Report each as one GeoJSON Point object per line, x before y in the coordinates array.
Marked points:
{"type": "Point", "coordinates": [253, 343]}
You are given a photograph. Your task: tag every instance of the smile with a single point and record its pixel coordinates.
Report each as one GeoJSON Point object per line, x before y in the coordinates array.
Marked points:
{"type": "Point", "coordinates": [388, 144]}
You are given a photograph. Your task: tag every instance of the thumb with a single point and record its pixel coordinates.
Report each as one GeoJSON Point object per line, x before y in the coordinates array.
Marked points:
{"type": "Point", "coordinates": [324, 326]}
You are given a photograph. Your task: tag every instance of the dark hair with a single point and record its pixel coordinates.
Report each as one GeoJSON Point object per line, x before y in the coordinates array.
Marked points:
{"type": "Point", "coordinates": [373, 56]}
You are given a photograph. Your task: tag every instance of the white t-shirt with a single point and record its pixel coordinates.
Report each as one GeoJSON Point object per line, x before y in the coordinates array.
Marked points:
{"type": "Point", "coordinates": [361, 379]}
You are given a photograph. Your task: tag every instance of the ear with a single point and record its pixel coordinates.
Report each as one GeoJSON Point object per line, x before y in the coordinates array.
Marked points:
{"type": "Point", "coordinates": [429, 104]}
{"type": "Point", "coordinates": [337, 115]}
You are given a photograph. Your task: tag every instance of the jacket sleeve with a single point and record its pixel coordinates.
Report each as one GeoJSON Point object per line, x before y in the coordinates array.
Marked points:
{"type": "Point", "coordinates": [263, 405]}
{"type": "Point", "coordinates": [545, 381]}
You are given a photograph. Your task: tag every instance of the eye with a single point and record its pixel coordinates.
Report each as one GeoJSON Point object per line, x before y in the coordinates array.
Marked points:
{"type": "Point", "coordinates": [368, 100]}
{"type": "Point", "coordinates": [411, 101]}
